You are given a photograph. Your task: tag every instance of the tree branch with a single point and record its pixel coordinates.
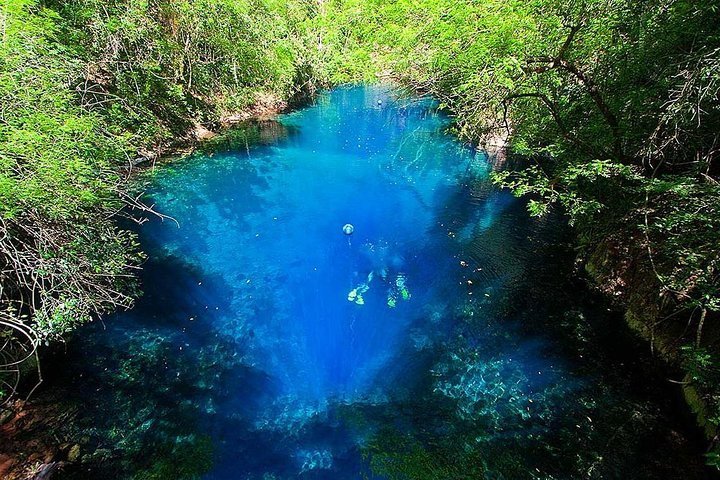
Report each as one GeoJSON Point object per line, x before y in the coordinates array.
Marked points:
{"type": "Point", "coordinates": [544, 64]}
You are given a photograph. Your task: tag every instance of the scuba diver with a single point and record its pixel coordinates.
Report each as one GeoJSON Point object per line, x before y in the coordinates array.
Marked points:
{"type": "Point", "coordinates": [377, 254]}
{"type": "Point", "coordinates": [397, 290]}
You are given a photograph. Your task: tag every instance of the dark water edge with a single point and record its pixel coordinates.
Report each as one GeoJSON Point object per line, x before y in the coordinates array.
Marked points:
{"type": "Point", "coordinates": [603, 408]}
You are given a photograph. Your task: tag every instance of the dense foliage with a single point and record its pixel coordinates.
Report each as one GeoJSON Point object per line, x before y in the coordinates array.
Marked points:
{"type": "Point", "coordinates": [63, 259]}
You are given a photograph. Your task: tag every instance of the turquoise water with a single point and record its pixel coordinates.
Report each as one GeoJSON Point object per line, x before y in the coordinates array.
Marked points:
{"type": "Point", "coordinates": [271, 345]}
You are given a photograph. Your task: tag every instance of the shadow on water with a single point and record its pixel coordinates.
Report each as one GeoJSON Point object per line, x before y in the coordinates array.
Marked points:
{"type": "Point", "coordinates": [145, 379]}
{"type": "Point", "coordinates": [444, 339]}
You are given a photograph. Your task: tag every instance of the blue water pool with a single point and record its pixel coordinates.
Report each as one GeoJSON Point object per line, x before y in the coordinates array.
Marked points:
{"type": "Point", "coordinates": [269, 344]}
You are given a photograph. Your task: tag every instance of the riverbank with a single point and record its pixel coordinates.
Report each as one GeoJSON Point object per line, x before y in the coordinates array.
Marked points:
{"type": "Point", "coordinates": [626, 277]}
{"type": "Point", "coordinates": [265, 106]}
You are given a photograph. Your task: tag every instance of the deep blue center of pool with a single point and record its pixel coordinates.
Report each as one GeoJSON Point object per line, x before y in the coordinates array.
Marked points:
{"type": "Point", "coordinates": [270, 344]}
{"type": "Point", "coordinates": [318, 311]}
{"type": "Point", "coordinates": [318, 314]}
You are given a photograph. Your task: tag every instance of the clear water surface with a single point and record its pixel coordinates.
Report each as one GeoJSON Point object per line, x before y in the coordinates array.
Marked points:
{"type": "Point", "coordinates": [271, 345]}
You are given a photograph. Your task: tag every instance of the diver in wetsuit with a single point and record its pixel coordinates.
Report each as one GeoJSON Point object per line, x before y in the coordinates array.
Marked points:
{"type": "Point", "coordinates": [398, 288]}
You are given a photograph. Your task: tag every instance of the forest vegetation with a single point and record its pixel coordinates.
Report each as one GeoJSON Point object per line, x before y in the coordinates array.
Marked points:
{"type": "Point", "coordinates": [611, 111]}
